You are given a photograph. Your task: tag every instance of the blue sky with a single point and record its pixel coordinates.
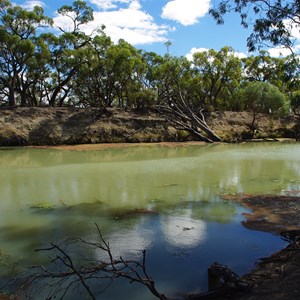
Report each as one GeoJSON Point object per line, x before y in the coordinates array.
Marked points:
{"type": "Point", "coordinates": [148, 24]}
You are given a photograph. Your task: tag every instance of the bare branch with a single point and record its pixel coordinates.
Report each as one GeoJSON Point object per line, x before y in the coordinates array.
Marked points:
{"type": "Point", "coordinates": [64, 274]}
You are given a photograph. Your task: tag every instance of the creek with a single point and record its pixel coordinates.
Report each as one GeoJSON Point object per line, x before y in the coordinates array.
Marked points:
{"type": "Point", "coordinates": [166, 199]}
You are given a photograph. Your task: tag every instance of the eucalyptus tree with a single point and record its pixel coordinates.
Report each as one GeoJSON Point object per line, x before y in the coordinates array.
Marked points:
{"type": "Point", "coordinates": [79, 14]}
{"type": "Point", "coordinates": [295, 102]}
{"type": "Point", "coordinates": [174, 82]}
{"type": "Point", "coordinates": [113, 75]}
{"type": "Point", "coordinates": [281, 72]}
{"type": "Point", "coordinates": [68, 51]}
{"type": "Point", "coordinates": [124, 68]}
{"type": "Point", "coordinates": [219, 75]}
{"type": "Point", "coordinates": [36, 80]}
{"type": "Point", "coordinates": [104, 78]}
{"type": "Point", "coordinates": [291, 74]}
{"type": "Point", "coordinates": [67, 56]}
{"type": "Point", "coordinates": [90, 86]}
{"type": "Point", "coordinates": [20, 46]}
{"type": "Point", "coordinates": [274, 22]}
{"type": "Point", "coordinates": [153, 74]}
{"type": "Point", "coordinates": [168, 76]}
{"type": "Point", "coordinates": [261, 67]}
{"type": "Point", "coordinates": [139, 93]}
{"type": "Point", "coordinates": [263, 97]}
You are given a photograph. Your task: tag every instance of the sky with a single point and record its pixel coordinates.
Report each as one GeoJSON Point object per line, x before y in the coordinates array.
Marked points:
{"type": "Point", "coordinates": [149, 24]}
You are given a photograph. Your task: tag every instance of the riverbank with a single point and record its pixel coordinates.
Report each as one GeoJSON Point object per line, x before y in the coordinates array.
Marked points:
{"type": "Point", "coordinates": [25, 126]}
{"type": "Point", "coordinates": [276, 277]}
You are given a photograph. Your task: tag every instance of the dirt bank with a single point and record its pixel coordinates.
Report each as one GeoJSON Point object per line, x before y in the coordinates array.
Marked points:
{"type": "Point", "coordinates": [276, 277]}
{"type": "Point", "coordinates": [58, 126]}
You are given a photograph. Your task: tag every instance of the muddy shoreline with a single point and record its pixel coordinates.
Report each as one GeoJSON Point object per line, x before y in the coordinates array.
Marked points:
{"type": "Point", "coordinates": [277, 276]}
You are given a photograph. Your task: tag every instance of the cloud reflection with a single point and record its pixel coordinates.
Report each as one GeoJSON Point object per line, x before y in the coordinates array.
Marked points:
{"type": "Point", "coordinates": [128, 243]}
{"type": "Point", "coordinates": [184, 231]}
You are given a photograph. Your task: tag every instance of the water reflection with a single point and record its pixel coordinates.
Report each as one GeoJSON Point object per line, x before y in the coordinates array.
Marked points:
{"type": "Point", "coordinates": [129, 242]}
{"type": "Point", "coordinates": [133, 183]}
{"type": "Point", "coordinates": [47, 195]}
{"type": "Point", "coordinates": [184, 231]}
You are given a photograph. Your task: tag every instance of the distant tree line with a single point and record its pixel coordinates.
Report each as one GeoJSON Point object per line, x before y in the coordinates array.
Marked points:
{"type": "Point", "coordinates": [44, 66]}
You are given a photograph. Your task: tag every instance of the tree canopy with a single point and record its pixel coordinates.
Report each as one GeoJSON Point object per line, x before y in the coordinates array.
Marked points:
{"type": "Point", "coordinates": [70, 68]}
{"type": "Point", "coordinates": [274, 22]}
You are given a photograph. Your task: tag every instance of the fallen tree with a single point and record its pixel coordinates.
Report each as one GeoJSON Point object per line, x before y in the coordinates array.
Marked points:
{"type": "Point", "coordinates": [183, 117]}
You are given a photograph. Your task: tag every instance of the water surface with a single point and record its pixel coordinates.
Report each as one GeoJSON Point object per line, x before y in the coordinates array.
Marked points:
{"type": "Point", "coordinates": [48, 195]}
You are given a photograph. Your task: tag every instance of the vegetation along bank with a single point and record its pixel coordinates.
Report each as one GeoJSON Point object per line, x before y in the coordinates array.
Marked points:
{"type": "Point", "coordinates": [115, 92]}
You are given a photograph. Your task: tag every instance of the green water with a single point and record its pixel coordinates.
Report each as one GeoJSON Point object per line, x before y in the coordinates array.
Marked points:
{"type": "Point", "coordinates": [47, 195]}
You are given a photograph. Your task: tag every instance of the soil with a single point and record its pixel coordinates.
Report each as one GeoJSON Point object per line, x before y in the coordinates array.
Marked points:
{"type": "Point", "coordinates": [277, 276]}
{"type": "Point", "coordinates": [20, 126]}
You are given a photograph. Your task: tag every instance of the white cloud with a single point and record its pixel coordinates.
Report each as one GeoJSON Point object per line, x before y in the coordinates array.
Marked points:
{"type": "Point", "coordinates": [108, 4]}
{"type": "Point", "coordinates": [283, 51]}
{"type": "Point", "coordinates": [29, 5]}
{"type": "Point", "coordinates": [239, 54]}
{"type": "Point", "coordinates": [131, 24]}
{"type": "Point", "coordinates": [186, 12]}
{"type": "Point", "coordinates": [194, 50]}
{"type": "Point", "coordinates": [279, 51]}
{"type": "Point", "coordinates": [293, 27]}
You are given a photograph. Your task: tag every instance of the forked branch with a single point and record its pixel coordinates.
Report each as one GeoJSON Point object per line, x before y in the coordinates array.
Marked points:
{"type": "Point", "coordinates": [66, 272]}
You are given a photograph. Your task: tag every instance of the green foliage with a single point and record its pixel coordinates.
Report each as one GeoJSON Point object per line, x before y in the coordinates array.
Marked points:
{"type": "Point", "coordinates": [80, 13]}
{"type": "Point", "coordinates": [19, 48]}
{"type": "Point", "coordinates": [263, 97]}
{"type": "Point", "coordinates": [219, 75]}
{"type": "Point", "coordinates": [73, 68]}
{"type": "Point", "coordinates": [295, 102]}
{"type": "Point", "coordinates": [271, 20]}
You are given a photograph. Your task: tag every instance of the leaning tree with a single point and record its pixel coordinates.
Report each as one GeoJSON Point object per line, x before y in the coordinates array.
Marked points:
{"type": "Point", "coordinates": [176, 86]}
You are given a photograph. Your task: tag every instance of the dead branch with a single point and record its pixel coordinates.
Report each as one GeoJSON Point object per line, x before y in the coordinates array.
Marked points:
{"type": "Point", "coordinates": [182, 115]}
{"type": "Point", "coordinates": [65, 273]}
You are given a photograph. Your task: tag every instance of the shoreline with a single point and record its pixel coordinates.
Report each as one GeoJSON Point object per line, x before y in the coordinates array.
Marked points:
{"type": "Point", "coordinates": [277, 276]}
{"type": "Point", "coordinates": [102, 146]}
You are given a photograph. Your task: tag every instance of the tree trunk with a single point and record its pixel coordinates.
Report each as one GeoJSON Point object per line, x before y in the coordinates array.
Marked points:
{"type": "Point", "coordinates": [11, 98]}
{"type": "Point", "coordinates": [182, 115]}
